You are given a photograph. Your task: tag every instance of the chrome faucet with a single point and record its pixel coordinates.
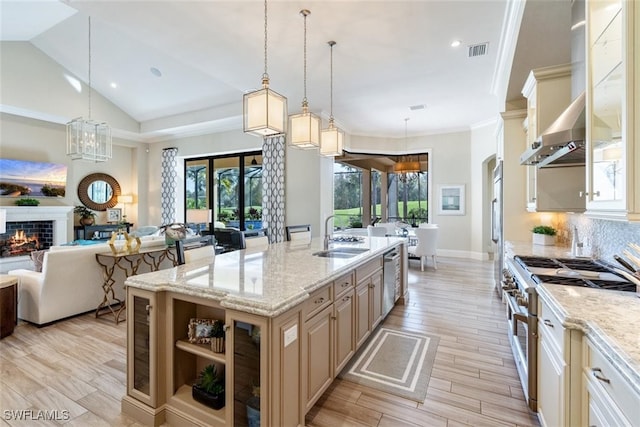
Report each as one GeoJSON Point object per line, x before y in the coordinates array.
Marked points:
{"type": "Point", "coordinates": [327, 235]}
{"type": "Point", "coordinates": [576, 244]}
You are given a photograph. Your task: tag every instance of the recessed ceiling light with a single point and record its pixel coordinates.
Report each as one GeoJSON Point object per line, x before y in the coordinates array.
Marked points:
{"type": "Point", "coordinates": [114, 85]}
{"type": "Point", "coordinates": [456, 43]}
{"type": "Point", "coordinates": [155, 72]}
{"type": "Point", "coordinates": [417, 107]}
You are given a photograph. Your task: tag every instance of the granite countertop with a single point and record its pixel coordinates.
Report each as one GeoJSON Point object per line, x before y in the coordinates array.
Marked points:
{"type": "Point", "coordinates": [513, 248]}
{"type": "Point", "coordinates": [265, 283]}
{"type": "Point", "coordinates": [609, 319]}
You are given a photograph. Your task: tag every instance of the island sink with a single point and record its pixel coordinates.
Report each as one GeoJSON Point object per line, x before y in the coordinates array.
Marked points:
{"type": "Point", "coordinates": [340, 252]}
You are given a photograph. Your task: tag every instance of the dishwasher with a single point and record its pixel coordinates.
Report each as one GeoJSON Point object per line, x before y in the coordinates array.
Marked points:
{"type": "Point", "coordinates": [391, 283]}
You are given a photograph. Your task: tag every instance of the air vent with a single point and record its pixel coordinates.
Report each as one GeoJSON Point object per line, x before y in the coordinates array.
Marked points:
{"type": "Point", "coordinates": [417, 107]}
{"type": "Point", "coordinates": [478, 49]}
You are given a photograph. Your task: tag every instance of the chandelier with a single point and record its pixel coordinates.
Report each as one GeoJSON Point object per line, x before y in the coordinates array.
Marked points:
{"type": "Point", "coordinates": [407, 167]}
{"type": "Point", "coordinates": [331, 138]}
{"type": "Point", "coordinates": [86, 138]}
{"type": "Point", "coordinates": [304, 128]}
{"type": "Point", "coordinates": [264, 111]}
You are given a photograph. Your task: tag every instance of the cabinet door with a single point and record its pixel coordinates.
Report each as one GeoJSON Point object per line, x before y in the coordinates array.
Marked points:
{"type": "Point", "coordinates": [362, 326]}
{"type": "Point", "coordinates": [376, 300]}
{"type": "Point", "coordinates": [142, 346]}
{"type": "Point", "coordinates": [344, 310]}
{"type": "Point", "coordinates": [551, 379]}
{"type": "Point", "coordinates": [319, 355]}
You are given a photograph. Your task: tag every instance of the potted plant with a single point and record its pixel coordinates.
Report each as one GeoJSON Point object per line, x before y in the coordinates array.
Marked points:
{"type": "Point", "coordinates": [27, 202]}
{"type": "Point", "coordinates": [209, 388]}
{"type": "Point", "coordinates": [87, 216]}
{"type": "Point", "coordinates": [544, 235]}
{"type": "Point", "coordinates": [217, 336]}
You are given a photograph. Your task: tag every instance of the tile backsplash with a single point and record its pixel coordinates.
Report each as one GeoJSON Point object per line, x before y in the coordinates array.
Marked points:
{"type": "Point", "coordinates": [601, 238]}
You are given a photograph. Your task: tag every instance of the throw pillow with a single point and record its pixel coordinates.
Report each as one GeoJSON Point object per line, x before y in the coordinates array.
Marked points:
{"type": "Point", "coordinates": [37, 257]}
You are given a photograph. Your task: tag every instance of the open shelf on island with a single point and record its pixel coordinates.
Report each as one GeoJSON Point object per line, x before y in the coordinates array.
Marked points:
{"type": "Point", "coordinates": [202, 350]}
{"type": "Point", "coordinates": [182, 401]}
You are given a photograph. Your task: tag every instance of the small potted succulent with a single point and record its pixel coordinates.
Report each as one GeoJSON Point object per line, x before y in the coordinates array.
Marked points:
{"type": "Point", "coordinates": [87, 216]}
{"type": "Point", "coordinates": [544, 235]}
{"type": "Point", "coordinates": [209, 388]}
{"type": "Point", "coordinates": [217, 336]}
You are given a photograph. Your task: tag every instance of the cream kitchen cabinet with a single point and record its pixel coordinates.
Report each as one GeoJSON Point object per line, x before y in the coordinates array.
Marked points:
{"type": "Point", "coordinates": [556, 189]}
{"type": "Point", "coordinates": [559, 362]}
{"type": "Point", "coordinates": [608, 398]}
{"type": "Point", "coordinates": [613, 109]}
{"type": "Point", "coordinates": [368, 299]}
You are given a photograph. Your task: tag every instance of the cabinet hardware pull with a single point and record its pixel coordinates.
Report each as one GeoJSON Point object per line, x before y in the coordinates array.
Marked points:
{"type": "Point", "coordinates": [346, 298]}
{"type": "Point", "coordinates": [148, 308]}
{"type": "Point", "coordinates": [596, 371]}
{"type": "Point", "coordinates": [586, 193]}
{"type": "Point", "coordinates": [345, 284]}
{"type": "Point", "coordinates": [333, 317]}
{"type": "Point", "coordinates": [548, 323]}
{"type": "Point", "coordinates": [319, 300]}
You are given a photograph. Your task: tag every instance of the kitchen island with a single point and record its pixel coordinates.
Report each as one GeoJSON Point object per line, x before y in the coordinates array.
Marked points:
{"type": "Point", "coordinates": [294, 314]}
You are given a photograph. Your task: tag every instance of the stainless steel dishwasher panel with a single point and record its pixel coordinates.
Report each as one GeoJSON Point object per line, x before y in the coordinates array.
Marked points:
{"type": "Point", "coordinates": [391, 283]}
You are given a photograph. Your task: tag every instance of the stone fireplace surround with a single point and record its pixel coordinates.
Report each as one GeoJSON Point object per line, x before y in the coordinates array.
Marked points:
{"type": "Point", "coordinates": [61, 217]}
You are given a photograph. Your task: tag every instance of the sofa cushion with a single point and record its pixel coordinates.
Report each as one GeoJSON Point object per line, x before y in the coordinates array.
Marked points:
{"type": "Point", "coordinates": [37, 257]}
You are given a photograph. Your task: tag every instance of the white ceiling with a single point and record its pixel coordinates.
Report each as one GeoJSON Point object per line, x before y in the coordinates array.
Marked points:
{"type": "Point", "coordinates": [390, 55]}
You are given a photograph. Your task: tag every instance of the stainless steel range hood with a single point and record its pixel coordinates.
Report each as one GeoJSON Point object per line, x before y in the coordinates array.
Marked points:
{"type": "Point", "coordinates": [562, 143]}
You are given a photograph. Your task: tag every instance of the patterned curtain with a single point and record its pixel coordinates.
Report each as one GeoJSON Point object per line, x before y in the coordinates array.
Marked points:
{"type": "Point", "coordinates": [273, 197]}
{"type": "Point", "coordinates": [169, 185]}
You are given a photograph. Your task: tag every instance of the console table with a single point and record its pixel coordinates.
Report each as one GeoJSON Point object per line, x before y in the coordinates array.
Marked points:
{"type": "Point", "coordinates": [101, 232]}
{"type": "Point", "coordinates": [128, 262]}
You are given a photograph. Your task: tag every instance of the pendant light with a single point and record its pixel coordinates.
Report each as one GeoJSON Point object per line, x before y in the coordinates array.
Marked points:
{"type": "Point", "coordinates": [331, 138]}
{"type": "Point", "coordinates": [407, 168]}
{"type": "Point", "coordinates": [264, 111]}
{"type": "Point", "coordinates": [86, 138]}
{"type": "Point", "coordinates": [304, 128]}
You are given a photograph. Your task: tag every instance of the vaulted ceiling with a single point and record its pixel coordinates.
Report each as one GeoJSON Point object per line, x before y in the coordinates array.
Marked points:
{"type": "Point", "coordinates": [177, 63]}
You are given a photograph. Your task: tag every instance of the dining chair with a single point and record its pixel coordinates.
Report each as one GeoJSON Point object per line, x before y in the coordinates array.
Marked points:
{"type": "Point", "coordinates": [376, 231]}
{"type": "Point", "coordinates": [427, 225]}
{"type": "Point", "coordinates": [301, 237]}
{"type": "Point", "coordinates": [389, 226]}
{"type": "Point", "coordinates": [257, 243]}
{"type": "Point", "coordinates": [193, 249]}
{"type": "Point", "coordinates": [426, 246]}
{"type": "Point", "coordinates": [294, 229]}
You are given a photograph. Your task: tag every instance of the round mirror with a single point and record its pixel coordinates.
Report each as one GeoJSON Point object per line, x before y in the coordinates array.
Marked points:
{"type": "Point", "coordinates": [99, 191]}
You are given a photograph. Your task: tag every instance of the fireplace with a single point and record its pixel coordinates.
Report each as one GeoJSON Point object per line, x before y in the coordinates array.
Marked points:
{"type": "Point", "coordinates": [24, 237]}
{"type": "Point", "coordinates": [49, 223]}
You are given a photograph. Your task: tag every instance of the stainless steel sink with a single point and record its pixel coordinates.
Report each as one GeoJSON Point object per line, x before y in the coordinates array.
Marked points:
{"type": "Point", "coordinates": [340, 252]}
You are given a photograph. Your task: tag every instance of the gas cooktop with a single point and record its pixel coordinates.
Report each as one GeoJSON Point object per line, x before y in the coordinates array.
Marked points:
{"type": "Point", "coordinates": [574, 272]}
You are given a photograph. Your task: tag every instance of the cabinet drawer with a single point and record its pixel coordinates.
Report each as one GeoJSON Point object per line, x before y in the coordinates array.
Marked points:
{"type": "Point", "coordinates": [367, 269]}
{"type": "Point", "coordinates": [342, 285]}
{"type": "Point", "coordinates": [550, 326]}
{"type": "Point", "coordinates": [318, 300]}
{"type": "Point", "coordinates": [605, 377]}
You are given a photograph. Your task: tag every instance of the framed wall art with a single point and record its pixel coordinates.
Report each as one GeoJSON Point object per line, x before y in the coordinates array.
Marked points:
{"type": "Point", "coordinates": [114, 215]}
{"type": "Point", "coordinates": [451, 200]}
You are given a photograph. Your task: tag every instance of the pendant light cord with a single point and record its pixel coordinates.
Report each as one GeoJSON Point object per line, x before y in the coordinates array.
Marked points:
{"type": "Point", "coordinates": [331, 43]}
{"type": "Point", "coordinates": [304, 99]}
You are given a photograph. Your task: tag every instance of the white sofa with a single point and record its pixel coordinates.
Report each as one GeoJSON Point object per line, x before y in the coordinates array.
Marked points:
{"type": "Point", "coordinates": [70, 282]}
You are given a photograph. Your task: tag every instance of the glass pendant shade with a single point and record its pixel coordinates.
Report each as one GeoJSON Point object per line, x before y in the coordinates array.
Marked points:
{"type": "Point", "coordinates": [304, 129]}
{"type": "Point", "coordinates": [331, 141]}
{"type": "Point", "coordinates": [88, 140]}
{"type": "Point", "coordinates": [264, 111]}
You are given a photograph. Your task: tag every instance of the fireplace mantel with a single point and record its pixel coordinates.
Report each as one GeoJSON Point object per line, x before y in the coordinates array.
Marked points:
{"type": "Point", "coordinates": [60, 215]}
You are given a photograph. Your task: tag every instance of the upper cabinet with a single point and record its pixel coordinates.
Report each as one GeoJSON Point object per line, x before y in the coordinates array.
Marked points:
{"type": "Point", "coordinates": [548, 93]}
{"type": "Point", "coordinates": [613, 109]}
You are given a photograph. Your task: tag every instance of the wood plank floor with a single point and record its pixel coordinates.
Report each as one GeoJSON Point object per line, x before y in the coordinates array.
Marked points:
{"type": "Point", "coordinates": [78, 365]}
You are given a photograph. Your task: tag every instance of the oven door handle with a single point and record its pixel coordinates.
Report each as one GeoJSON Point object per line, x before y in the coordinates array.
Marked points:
{"type": "Point", "coordinates": [519, 317]}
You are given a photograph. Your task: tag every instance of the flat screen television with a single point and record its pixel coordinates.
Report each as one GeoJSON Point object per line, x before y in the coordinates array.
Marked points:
{"type": "Point", "coordinates": [23, 178]}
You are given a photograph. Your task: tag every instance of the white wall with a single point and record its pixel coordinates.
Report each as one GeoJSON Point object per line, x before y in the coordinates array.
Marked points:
{"type": "Point", "coordinates": [27, 139]}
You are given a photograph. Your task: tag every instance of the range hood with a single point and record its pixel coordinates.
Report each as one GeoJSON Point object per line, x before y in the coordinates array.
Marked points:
{"type": "Point", "coordinates": [562, 143]}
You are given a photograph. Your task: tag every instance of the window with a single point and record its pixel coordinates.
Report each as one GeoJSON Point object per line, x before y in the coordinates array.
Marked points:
{"type": "Point", "coordinates": [347, 196]}
{"type": "Point", "coordinates": [229, 187]}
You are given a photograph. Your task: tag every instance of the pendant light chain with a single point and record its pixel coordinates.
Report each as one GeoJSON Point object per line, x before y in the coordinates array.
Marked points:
{"type": "Point", "coordinates": [265, 75]}
{"type": "Point", "coordinates": [89, 68]}
{"type": "Point", "coordinates": [304, 99]}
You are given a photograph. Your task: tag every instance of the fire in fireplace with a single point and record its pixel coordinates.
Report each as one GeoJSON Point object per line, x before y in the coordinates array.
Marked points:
{"type": "Point", "coordinates": [23, 238]}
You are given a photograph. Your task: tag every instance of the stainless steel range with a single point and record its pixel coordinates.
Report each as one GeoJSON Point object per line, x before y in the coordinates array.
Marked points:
{"type": "Point", "coordinates": [520, 277]}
